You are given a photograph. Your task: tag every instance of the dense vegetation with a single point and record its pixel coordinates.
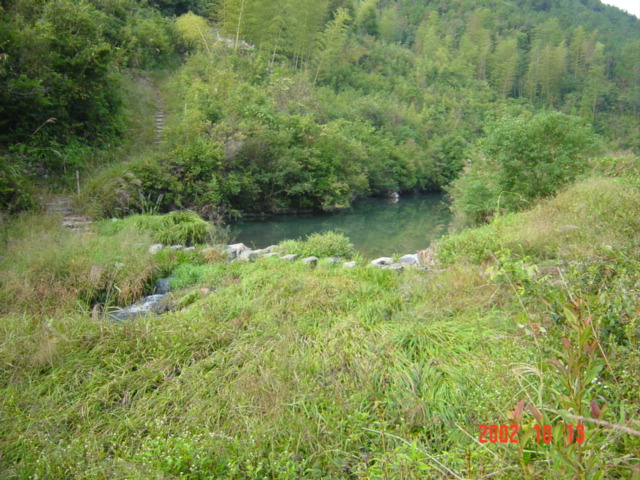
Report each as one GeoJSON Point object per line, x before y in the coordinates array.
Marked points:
{"type": "Point", "coordinates": [287, 371]}
{"type": "Point", "coordinates": [281, 107]}
{"type": "Point", "coordinates": [526, 113]}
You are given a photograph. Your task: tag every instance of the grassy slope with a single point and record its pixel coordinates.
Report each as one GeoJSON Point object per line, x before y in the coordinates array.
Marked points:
{"type": "Point", "coordinates": [290, 372]}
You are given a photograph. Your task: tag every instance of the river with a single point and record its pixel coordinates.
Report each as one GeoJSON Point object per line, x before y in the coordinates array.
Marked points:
{"type": "Point", "coordinates": [376, 226]}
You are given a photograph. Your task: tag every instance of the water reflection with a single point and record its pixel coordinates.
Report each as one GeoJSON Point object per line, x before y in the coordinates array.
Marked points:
{"type": "Point", "coordinates": [375, 226]}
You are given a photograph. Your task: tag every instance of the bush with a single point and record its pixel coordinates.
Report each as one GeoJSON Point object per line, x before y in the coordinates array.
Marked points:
{"type": "Point", "coordinates": [15, 193]}
{"type": "Point", "coordinates": [131, 187]}
{"type": "Point", "coordinates": [579, 222]}
{"type": "Point", "coordinates": [180, 227]}
{"type": "Point", "coordinates": [327, 244]}
{"type": "Point", "coordinates": [184, 228]}
{"type": "Point", "coordinates": [520, 160]}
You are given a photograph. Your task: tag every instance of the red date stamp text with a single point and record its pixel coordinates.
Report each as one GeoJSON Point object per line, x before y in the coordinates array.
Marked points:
{"type": "Point", "coordinates": [544, 433]}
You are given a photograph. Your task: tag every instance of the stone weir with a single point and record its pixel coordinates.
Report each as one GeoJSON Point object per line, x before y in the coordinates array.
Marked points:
{"type": "Point", "coordinates": [240, 252]}
{"type": "Point", "coordinates": [159, 302]}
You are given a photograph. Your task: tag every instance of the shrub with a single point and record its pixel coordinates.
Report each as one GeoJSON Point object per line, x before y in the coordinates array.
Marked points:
{"type": "Point", "coordinates": [49, 269]}
{"type": "Point", "coordinates": [578, 222]}
{"type": "Point", "coordinates": [327, 244]}
{"type": "Point", "coordinates": [180, 227]}
{"type": "Point", "coordinates": [520, 160]}
{"type": "Point", "coordinates": [15, 192]}
{"type": "Point", "coordinates": [183, 227]}
{"type": "Point", "coordinates": [136, 186]}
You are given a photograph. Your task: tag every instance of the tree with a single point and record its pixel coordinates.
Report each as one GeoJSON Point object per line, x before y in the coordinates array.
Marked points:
{"type": "Point", "coordinates": [367, 18]}
{"type": "Point", "coordinates": [194, 30]}
{"type": "Point", "coordinates": [596, 84]}
{"type": "Point", "coordinates": [56, 71]}
{"type": "Point", "coordinates": [332, 41]}
{"type": "Point", "coordinates": [504, 65]}
{"type": "Point", "coordinates": [522, 159]}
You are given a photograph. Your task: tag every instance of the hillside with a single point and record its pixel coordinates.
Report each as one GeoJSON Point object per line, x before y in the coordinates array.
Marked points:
{"type": "Point", "coordinates": [507, 350]}
{"type": "Point", "coordinates": [334, 101]}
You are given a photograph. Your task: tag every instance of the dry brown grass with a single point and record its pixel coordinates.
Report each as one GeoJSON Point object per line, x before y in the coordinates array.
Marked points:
{"type": "Point", "coordinates": [49, 269]}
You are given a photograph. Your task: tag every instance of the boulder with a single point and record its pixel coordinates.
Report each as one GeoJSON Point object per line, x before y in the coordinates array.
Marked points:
{"type": "Point", "coordinates": [310, 261]}
{"type": "Point", "coordinates": [378, 262]}
{"type": "Point", "coordinates": [176, 247]}
{"type": "Point", "coordinates": [155, 248]}
{"type": "Point", "coordinates": [290, 258]}
{"type": "Point", "coordinates": [398, 267]}
{"type": "Point", "coordinates": [269, 255]}
{"type": "Point", "coordinates": [410, 259]}
{"type": "Point", "coordinates": [249, 254]}
{"type": "Point", "coordinates": [349, 264]}
{"type": "Point", "coordinates": [233, 251]}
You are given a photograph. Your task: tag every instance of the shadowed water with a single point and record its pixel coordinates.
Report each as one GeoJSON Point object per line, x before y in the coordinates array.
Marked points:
{"type": "Point", "coordinates": [375, 226]}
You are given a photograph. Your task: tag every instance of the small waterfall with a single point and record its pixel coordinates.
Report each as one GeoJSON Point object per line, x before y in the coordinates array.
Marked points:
{"type": "Point", "coordinates": [145, 305]}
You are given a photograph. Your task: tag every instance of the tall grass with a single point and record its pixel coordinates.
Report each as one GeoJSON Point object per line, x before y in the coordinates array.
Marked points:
{"type": "Point", "coordinates": [47, 268]}
{"type": "Point", "coordinates": [289, 372]}
{"type": "Point", "coordinates": [578, 222]}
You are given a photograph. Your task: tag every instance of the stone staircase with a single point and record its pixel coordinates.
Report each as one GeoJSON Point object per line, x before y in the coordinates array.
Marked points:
{"type": "Point", "coordinates": [61, 205]}
{"type": "Point", "coordinates": [159, 120]}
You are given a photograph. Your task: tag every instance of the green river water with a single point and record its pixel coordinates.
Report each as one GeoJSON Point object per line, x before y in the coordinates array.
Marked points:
{"type": "Point", "coordinates": [376, 226]}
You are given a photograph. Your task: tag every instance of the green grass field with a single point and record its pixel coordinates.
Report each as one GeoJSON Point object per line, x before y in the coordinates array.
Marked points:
{"type": "Point", "coordinates": [286, 371]}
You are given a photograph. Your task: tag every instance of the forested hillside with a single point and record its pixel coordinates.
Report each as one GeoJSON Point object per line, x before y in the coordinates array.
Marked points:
{"type": "Point", "coordinates": [282, 106]}
{"type": "Point", "coordinates": [136, 343]}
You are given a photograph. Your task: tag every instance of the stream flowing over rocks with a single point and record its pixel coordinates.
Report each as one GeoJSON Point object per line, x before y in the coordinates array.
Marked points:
{"type": "Point", "coordinates": [145, 305]}
{"type": "Point", "coordinates": [157, 303]}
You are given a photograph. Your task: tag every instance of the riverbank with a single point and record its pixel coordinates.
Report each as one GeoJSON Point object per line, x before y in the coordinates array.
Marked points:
{"type": "Point", "coordinates": [277, 369]}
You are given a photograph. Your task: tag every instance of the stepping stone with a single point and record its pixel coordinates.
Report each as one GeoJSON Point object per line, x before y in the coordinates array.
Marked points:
{"type": "Point", "coordinates": [310, 261]}
{"type": "Point", "coordinates": [248, 254]}
{"type": "Point", "coordinates": [378, 262]}
{"type": "Point", "coordinates": [233, 251]}
{"type": "Point", "coordinates": [411, 259]}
